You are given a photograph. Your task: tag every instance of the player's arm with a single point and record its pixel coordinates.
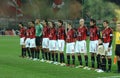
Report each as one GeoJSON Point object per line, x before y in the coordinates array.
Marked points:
{"type": "Point", "coordinates": [98, 33]}
{"type": "Point", "coordinates": [111, 39]}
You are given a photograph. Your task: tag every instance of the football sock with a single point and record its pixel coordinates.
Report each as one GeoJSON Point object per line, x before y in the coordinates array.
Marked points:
{"type": "Point", "coordinates": [49, 56]}
{"type": "Point", "coordinates": [46, 56]}
{"type": "Point", "coordinates": [93, 61]}
{"type": "Point", "coordinates": [80, 59]}
{"type": "Point", "coordinates": [68, 59]}
{"type": "Point", "coordinates": [42, 53]}
{"type": "Point", "coordinates": [109, 64]}
{"type": "Point", "coordinates": [28, 51]}
{"type": "Point", "coordinates": [73, 59]}
{"type": "Point", "coordinates": [118, 63]}
{"type": "Point", "coordinates": [56, 56]}
{"type": "Point", "coordinates": [52, 56]}
{"type": "Point", "coordinates": [103, 64]}
{"type": "Point", "coordinates": [24, 51]}
{"type": "Point", "coordinates": [86, 60]}
{"type": "Point", "coordinates": [63, 59]}
{"type": "Point", "coordinates": [98, 61]}
{"type": "Point", "coordinates": [22, 54]}
{"type": "Point", "coordinates": [32, 52]}
{"type": "Point", "coordinates": [38, 54]}
{"type": "Point", "coordinates": [60, 57]}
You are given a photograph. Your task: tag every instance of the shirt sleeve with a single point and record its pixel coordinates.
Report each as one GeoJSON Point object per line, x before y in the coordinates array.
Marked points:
{"type": "Point", "coordinates": [111, 38]}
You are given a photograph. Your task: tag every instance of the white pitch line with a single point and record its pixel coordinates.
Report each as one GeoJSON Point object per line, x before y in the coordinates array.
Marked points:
{"type": "Point", "coordinates": [110, 77]}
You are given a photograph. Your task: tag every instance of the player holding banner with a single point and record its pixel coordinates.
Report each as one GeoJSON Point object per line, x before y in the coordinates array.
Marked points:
{"type": "Point", "coordinates": [70, 44]}
{"type": "Point", "coordinates": [61, 41]}
{"type": "Point", "coordinates": [107, 36]}
{"type": "Point", "coordinates": [81, 43]}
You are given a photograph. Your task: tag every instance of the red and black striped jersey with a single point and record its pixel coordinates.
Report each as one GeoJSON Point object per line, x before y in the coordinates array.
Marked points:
{"type": "Point", "coordinates": [22, 32]}
{"type": "Point", "coordinates": [46, 32]}
{"type": "Point", "coordinates": [32, 32]}
{"type": "Point", "coordinates": [107, 34]}
{"type": "Point", "coordinates": [61, 33]}
{"type": "Point", "coordinates": [70, 36]}
{"type": "Point", "coordinates": [82, 33]}
{"type": "Point", "coordinates": [27, 34]}
{"type": "Point", "coordinates": [94, 33]}
{"type": "Point", "coordinates": [53, 34]}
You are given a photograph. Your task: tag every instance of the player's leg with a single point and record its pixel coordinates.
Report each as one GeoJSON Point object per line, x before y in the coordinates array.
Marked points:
{"type": "Point", "coordinates": [117, 53]}
{"type": "Point", "coordinates": [93, 50]}
{"type": "Point", "coordinates": [80, 59]}
{"type": "Point", "coordinates": [98, 61]}
{"type": "Point", "coordinates": [118, 63]}
{"type": "Point", "coordinates": [77, 50]}
{"type": "Point", "coordinates": [72, 50]}
{"type": "Point", "coordinates": [32, 48]}
{"type": "Point", "coordinates": [93, 60]}
{"type": "Point", "coordinates": [61, 44]}
{"type": "Point", "coordinates": [68, 54]}
{"type": "Point", "coordinates": [109, 63]}
{"type": "Point", "coordinates": [27, 43]}
{"type": "Point", "coordinates": [109, 58]}
{"type": "Point", "coordinates": [103, 63]}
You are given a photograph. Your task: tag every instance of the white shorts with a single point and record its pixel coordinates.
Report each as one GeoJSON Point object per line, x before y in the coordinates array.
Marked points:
{"type": "Point", "coordinates": [70, 47]}
{"type": "Point", "coordinates": [106, 49]}
{"type": "Point", "coordinates": [80, 47]}
{"type": "Point", "coordinates": [53, 45]}
{"type": "Point", "coordinates": [32, 43]}
{"type": "Point", "coordinates": [61, 45]}
{"type": "Point", "coordinates": [93, 46]}
{"type": "Point", "coordinates": [27, 42]}
{"type": "Point", "coordinates": [45, 43]}
{"type": "Point", "coordinates": [22, 42]}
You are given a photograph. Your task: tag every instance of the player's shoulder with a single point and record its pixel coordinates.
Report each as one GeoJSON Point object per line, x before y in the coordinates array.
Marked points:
{"type": "Point", "coordinates": [110, 29]}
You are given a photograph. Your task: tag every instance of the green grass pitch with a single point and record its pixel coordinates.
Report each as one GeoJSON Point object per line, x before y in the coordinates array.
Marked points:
{"type": "Point", "coordinates": [12, 66]}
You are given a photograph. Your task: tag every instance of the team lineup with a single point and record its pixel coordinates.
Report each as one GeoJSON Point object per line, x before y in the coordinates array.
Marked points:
{"type": "Point", "coordinates": [48, 41]}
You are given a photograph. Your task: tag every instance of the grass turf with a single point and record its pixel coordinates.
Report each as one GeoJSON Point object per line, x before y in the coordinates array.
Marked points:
{"type": "Point", "coordinates": [12, 66]}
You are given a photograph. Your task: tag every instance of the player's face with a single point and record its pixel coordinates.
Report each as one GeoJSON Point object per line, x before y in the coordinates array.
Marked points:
{"type": "Point", "coordinates": [91, 23]}
{"type": "Point", "coordinates": [44, 23]}
{"type": "Point", "coordinates": [31, 24]}
{"type": "Point", "coordinates": [59, 24]}
{"type": "Point", "coordinates": [20, 25]}
{"type": "Point", "coordinates": [50, 24]}
{"type": "Point", "coordinates": [81, 22]}
{"type": "Point", "coordinates": [68, 26]}
{"type": "Point", "coordinates": [105, 24]}
{"type": "Point", "coordinates": [37, 21]}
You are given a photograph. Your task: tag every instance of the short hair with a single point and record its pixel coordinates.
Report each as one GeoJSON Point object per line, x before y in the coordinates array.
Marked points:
{"type": "Point", "coordinates": [53, 23]}
{"type": "Point", "coordinates": [33, 22]}
{"type": "Point", "coordinates": [70, 23]}
{"type": "Point", "coordinates": [93, 20]}
{"type": "Point", "coordinates": [46, 21]}
{"type": "Point", "coordinates": [21, 23]}
{"type": "Point", "coordinates": [60, 21]}
{"type": "Point", "coordinates": [106, 21]}
{"type": "Point", "coordinates": [81, 20]}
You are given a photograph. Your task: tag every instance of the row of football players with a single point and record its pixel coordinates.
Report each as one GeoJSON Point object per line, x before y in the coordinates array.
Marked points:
{"type": "Point", "coordinates": [51, 41]}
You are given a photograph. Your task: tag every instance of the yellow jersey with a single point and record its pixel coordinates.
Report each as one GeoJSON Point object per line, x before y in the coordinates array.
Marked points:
{"type": "Point", "coordinates": [117, 40]}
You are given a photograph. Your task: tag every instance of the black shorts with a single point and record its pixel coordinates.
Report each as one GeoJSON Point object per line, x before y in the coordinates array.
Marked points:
{"type": "Point", "coordinates": [117, 50]}
{"type": "Point", "coordinates": [38, 41]}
